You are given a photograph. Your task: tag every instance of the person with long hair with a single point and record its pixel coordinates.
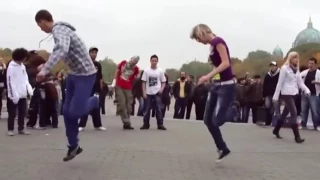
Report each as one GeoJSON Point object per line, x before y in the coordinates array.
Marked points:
{"type": "Point", "coordinates": [222, 91]}
{"type": "Point", "coordinates": [288, 84]}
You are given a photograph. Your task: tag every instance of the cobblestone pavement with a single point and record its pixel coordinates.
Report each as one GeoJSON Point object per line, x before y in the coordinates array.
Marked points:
{"type": "Point", "coordinates": [184, 152]}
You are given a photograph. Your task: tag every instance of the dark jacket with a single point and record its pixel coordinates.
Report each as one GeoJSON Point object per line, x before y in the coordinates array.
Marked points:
{"type": "Point", "coordinates": [176, 89]}
{"type": "Point", "coordinates": [200, 94]}
{"type": "Point", "coordinates": [3, 78]}
{"type": "Point", "coordinates": [137, 88]}
{"type": "Point", "coordinates": [166, 99]}
{"type": "Point", "coordinates": [254, 93]}
{"type": "Point", "coordinates": [242, 93]}
{"type": "Point", "coordinates": [270, 83]}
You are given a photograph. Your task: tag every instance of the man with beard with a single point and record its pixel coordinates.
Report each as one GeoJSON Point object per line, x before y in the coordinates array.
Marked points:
{"type": "Point", "coordinates": [181, 90]}
{"type": "Point", "coordinates": [123, 80]}
{"type": "Point", "coordinates": [96, 91]}
{"type": "Point", "coordinates": [269, 86]}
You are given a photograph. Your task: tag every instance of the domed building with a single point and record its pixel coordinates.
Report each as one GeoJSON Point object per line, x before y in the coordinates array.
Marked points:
{"type": "Point", "coordinates": [308, 35]}
{"type": "Point", "coordinates": [277, 53]}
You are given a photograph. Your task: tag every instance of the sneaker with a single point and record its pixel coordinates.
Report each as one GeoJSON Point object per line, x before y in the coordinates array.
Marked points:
{"type": "Point", "coordinates": [223, 154]}
{"type": "Point", "coordinates": [81, 129]}
{"type": "Point", "coordinates": [161, 127]}
{"type": "Point", "coordinates": [145, 126]}
{"type": "Point", "coordinates": [127, 127]}
{"type": "Point", "coordinates": [10, 133]}
{"type": "Point", "coordinates": [101, 128]}
{"type": "Point", "coordinates": [318, 128]}
{"type": "Point", "coordinates": [23, 132]}
{"type": "Point", "coordinates": [40, 128]}
{"type": "Point", "coordinates": [72, 153]}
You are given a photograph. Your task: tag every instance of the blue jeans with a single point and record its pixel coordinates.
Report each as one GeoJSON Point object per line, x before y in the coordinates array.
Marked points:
{"type": "Point", "coordinates": [153, 101]}
{"type": "Point", "coordinates": [77, 103]}
{"type": "Point", "coordinates": [141, 108]}
{"type": "Point", "coordinates": [219, 100]}
{"type": "Point", "coordinates": [311, 103]}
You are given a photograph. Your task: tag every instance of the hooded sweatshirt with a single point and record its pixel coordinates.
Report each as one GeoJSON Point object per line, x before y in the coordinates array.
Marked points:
{"type": "Point", "coordinates": [71, 49]}
{"type": "Point", "coordinates": [17, 82]}
{"type": "Point", "coordinates": [270, 83]}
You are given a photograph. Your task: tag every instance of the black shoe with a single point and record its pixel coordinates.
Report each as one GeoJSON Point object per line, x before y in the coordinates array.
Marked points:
{"type": "Point", "coordinates": [145, 126]}
{"type": "Point", "coordinates": [72, 152]}
{"type": "Point", "coordinates": [127, 127]}
{"type": "Point", "coordinates": [161, 127]}
{"type": "Point", "coordinates": [223, 154]}
{"type": "Point", "coordinates": [296, 133]}
{"type": "Point", "coordinates": [277, 129]}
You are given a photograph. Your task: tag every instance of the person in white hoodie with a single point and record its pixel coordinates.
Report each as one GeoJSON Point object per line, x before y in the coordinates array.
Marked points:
{"type": "Point", "coordinates": [288, 84]}
{"type": "Point", "coordinates": [18, 88]}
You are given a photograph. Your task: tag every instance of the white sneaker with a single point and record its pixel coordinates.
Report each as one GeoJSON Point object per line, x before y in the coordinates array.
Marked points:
{"type": "Point", "coordinates": [10, 133]}
{"type": "Point", "coordinates": [81, 129]}
{"type": "Point", "coordinates": [101, 128]}
{"type": "Point", "coordinates": [318, 128]}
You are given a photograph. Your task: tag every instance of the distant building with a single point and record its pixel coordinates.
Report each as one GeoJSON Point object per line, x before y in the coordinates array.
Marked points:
{"type": "Point", "coordinates": [308, 35]}
{"type": "Point", "coordinates": [277, 53]}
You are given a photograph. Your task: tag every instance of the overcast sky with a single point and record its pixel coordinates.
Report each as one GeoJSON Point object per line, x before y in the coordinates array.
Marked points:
{"type": "Point", "coordinates": [123, 28]}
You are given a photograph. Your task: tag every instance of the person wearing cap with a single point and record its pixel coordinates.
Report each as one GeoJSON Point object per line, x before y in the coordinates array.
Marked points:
{"type": "Point", "coordinates": [97, 87]}
{"type": "Point", "coordinates": [124, 76]}
{"type": "Point", "coordinates": [269, 87]}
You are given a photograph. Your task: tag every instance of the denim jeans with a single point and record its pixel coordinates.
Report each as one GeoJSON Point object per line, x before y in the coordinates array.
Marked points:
{"type": "Point", "coordinates": [310, 103]}
{"type": "Point", "coordinates": [219, 101]}
{"type": "Point", "coordinates": [153, 101]}
{"type": "Point", "coordinates": [141, 108]}
{"type": "Point", "coordinates": [77, 103]}
{"type": "Point", "coordinates": [274, 107]}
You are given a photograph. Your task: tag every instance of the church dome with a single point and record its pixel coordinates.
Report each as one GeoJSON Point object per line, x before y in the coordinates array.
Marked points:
{"type": "Point", "coordinates": [308, 35]}
{"type": "Point", "coordinates": [277, 52]}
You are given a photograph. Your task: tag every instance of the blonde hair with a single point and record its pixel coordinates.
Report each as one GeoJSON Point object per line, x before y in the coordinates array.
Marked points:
{"type": "Point", "coordinates": [291, 55]}
{"type": "Point", "coordinates": [200, 30]}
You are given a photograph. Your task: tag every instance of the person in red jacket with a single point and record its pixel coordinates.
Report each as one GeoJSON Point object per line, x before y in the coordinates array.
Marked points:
{"type": "Point", "coordinates": [123, 80]}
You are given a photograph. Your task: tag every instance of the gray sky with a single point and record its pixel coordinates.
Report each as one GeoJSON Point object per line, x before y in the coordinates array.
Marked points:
{"type": "Point", "coordinates": [123, 28]}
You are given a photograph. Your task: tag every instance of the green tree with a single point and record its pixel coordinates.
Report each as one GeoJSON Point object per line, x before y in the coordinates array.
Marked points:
{"type": "Point", "coordinates": [196, 68]}
{"type": "Point", "coordinates": [108, 69]}
{"type": "Point", "coordinates": [173, 74]}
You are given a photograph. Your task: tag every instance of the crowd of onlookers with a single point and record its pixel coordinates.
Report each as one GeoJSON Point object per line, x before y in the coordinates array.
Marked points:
{"type": "Point", "coordinates": [253, 94]}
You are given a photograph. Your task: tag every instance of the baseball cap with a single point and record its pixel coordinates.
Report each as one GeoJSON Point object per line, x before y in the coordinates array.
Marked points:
{"type": "Point", "coordinates": [273, 63]}
{"type": "Point", "coordinates": [93, 49]}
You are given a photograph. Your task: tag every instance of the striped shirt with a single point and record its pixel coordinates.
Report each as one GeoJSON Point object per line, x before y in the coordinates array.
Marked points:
{"type": "Point", "coordinates": [71, 49]}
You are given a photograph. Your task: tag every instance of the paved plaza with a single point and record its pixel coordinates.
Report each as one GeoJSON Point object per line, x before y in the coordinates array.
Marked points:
{"type": "Point", "coordinates": [184, 152]}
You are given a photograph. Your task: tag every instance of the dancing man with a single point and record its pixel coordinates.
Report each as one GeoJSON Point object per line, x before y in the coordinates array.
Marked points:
{"type": "Point", "coordinates": [223, 91]}
{"type": "Point", "coordinates": [123, 80]}
{"type": "Point", "coordinates": [288, 84]}
{"type": "Point", "coordinates": [79, 83]}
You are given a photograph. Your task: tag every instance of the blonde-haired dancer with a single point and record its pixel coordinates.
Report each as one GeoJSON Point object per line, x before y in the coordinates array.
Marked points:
{"type": "Point", "coordinates": [288, 84]}
{"type": "Point", "coordinates": [223, 91]}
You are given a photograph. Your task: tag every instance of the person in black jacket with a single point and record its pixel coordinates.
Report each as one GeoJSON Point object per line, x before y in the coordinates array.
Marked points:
{"type": "Point", "coordinates": [200, 98]}
{"type": "Point", "coordinates": [269, 87]}
{"type": "Point", "coordinates": [137, 94]}
{"type": "Point", "coordinates": [2, 80]}
{"type": "Point", "coordinates": [181, 91]}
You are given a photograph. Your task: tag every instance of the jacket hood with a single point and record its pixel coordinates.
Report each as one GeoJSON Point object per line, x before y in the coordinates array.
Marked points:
{"type": "Point", "coordinates": [60, 23]}
{"type": "Point", "coordinates": [275, 73]}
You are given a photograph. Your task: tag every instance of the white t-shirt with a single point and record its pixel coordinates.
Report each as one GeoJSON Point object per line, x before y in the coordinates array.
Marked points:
{"type": "Point", "coordinates": [153, 79]}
